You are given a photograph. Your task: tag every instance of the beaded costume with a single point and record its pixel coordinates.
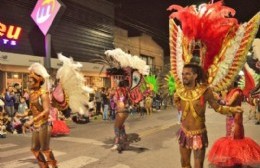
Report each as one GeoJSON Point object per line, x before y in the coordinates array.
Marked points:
{"type": "Point", "coordinates": [208, 36]}
{"type": "Point", "coordinates": [127, 71]}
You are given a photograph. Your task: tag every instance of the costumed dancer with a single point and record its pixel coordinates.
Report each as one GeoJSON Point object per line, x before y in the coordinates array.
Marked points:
{"type": "Point", "coordinates": [250, 85]}
{"type": "Point", "coordinates": [128, 71]}
{"type": "Point", "coordinates": [209, 37]}
{"type": "Point", "coordinates": [40, 107]}
{"type": "Point", "coordinates": [255, 65]}
{"type": "Point", "coordinates": [255, 99]}
{"type": "Point", "coordinates": [59, 126]}
{"type": "Point", "coordinates": [152, 88]}
{"type": "Point", "coordinates": [236, 150]}
{"type": "Point", "coordinates": [71, 94]}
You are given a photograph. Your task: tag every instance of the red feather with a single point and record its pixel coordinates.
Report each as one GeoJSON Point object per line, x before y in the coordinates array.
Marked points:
{"type": "Point", "coordinates": [249, 83]}
{"type": "Point", "coordinates": [210, 24]}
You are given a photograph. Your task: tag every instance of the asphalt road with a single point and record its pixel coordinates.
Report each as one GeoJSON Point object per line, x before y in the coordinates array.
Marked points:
{"type": "Point", "coordinates": [88, 145]}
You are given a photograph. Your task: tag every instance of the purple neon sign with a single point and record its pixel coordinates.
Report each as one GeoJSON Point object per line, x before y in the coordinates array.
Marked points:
{"type": "Point", "coordinates": [9, 34]}
{"type": "Point", "coordinates": [44, 14]}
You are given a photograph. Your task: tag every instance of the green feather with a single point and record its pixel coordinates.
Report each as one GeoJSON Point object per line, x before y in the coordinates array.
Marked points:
{"type": "Point", "coordinates": [171, 83]}
{"type": "Point", "coordinates": [152, 80]}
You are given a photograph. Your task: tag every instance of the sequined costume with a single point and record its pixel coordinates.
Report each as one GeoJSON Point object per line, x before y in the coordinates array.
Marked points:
{"type": "Point", "coordinates": [235, 149]}
{"type": "Point", "coordinates": [39, 109]}
{"type": "Point", "coordinates": [193, 132]}
{"type": "Point", "coordinates": [41, 130]}
{"type": "Point", "coordinates": [59, 126]}
{"type": "Point", "coordinates": [127, 72]}
{"type": "Point", "coordinates": [121, 99]}
{"type": "Point", "coordinates": [209, 36]}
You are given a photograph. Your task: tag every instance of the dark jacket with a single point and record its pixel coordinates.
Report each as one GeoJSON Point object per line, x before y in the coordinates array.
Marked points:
{"type": "Point", "coordinates": [9, 99]}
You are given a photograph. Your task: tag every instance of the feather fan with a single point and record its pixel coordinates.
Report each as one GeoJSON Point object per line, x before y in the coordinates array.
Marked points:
{"type": "Point", "coordinates": [72, 82]}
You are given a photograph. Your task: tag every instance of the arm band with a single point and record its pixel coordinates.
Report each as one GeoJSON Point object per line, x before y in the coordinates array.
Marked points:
{"type": "Point", "coordinates": [225, 110]}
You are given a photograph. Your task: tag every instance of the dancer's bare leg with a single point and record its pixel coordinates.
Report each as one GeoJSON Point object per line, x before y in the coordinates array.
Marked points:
{"type": "Point", "coordinates": [185, 157]}
{"type": "Point", "coordinates": [119, 122]}
{"type": "Point", "coordinates": [199, 156]}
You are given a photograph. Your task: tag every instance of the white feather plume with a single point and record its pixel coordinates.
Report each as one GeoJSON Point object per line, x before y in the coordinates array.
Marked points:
{"type": "Point", "coordinates": [127, 60]}
{"type": "Point", "coordinates": [179, 52]}
{"type": "Point", "coordinates": [39, 69]}
{"type": "Point", "coordinates": [73, 84]}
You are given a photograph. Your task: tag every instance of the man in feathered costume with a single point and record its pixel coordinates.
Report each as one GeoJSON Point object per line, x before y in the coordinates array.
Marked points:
{"type": "Point", "coordinates": [219, 45]}
{"type": "Point", "coordinates": [128, 72]}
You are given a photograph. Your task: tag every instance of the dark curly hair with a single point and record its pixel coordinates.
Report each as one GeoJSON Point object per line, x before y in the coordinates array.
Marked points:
{"type": "Point", "coordinates": [197, 70]}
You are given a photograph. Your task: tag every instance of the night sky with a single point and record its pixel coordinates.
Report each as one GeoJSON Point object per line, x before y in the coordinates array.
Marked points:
{"type": "Point", "coordinates": [151, 16]}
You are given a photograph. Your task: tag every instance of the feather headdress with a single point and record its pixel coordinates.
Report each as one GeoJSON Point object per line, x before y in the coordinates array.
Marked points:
{"type": "Point", "coordinates": [208, 33]}
{"type": "Point", "coordinates": [128, 71]}
{"type": "Point", "coordinates": [38, 72]}
{"type": "Point", "coordinates": [119, 59]}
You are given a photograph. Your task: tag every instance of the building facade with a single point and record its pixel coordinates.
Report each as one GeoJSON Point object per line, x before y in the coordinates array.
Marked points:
{"type": "Point", "coordinates": [143, 46]}
{"type": "Point", "coordinates": [84, 31]}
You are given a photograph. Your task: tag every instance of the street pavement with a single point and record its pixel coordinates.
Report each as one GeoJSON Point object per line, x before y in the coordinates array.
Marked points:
{"type": "Point", "coordinates": [88, 145]}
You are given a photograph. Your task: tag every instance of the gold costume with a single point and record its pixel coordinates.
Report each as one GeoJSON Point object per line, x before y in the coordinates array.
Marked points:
{"type": "Point", "coordinates": [36, 108]}
{"type": "Point", "coordinates": [41, 131]}
{"type": "Point", "coordinates": [193, 133]}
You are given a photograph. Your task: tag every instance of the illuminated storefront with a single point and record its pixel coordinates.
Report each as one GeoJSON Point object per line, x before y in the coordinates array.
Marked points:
{"type": "Point", "coordinates": [79, 33]}
{"type": "Point", "coordinates": [14, 69]}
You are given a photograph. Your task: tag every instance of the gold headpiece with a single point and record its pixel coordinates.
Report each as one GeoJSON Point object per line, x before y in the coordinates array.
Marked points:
{"type": "Point", "coordinates": [38, 78]}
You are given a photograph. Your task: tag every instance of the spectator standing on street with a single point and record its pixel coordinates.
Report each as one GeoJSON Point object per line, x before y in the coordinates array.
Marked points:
{"type": "Point", "coordinates": [22, 108]}
{"type": "Point", "coordinates": [26, 96]}
{"type": "Point", "coordinates": [141, 107]}
{"type": "Point", "coordinates": [18, 94]}
{"type": "Point", "coordinates": [9, 102]}
{"type": "Point", "coordinates": [106, 106]}
{"type": "Point", "coordinates": [98, 99]}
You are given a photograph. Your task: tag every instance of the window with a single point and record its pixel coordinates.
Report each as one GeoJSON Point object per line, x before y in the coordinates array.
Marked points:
{"type": "Point", "coordinates": [148, 60]}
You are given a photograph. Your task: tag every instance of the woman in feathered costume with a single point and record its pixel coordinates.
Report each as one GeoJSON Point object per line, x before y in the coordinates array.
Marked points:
{"type": "Point", "coordinates": [236, 150]}
{"type": "Point", "coordinates": [70, 92]}
{"type": "Point", "coordinates": [40, 107]}
{"type": "Point", "coordinates": [208, 36]}
{"type": "Point", "coordinates": [128, 72]}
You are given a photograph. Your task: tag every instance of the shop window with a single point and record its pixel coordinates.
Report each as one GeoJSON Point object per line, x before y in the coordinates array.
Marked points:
{"type": "Point", "coordinates": [19, 78]}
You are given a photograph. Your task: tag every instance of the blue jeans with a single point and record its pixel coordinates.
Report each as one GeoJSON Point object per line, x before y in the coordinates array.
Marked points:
{"type": "Point", "coordinates": [105, 112]}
